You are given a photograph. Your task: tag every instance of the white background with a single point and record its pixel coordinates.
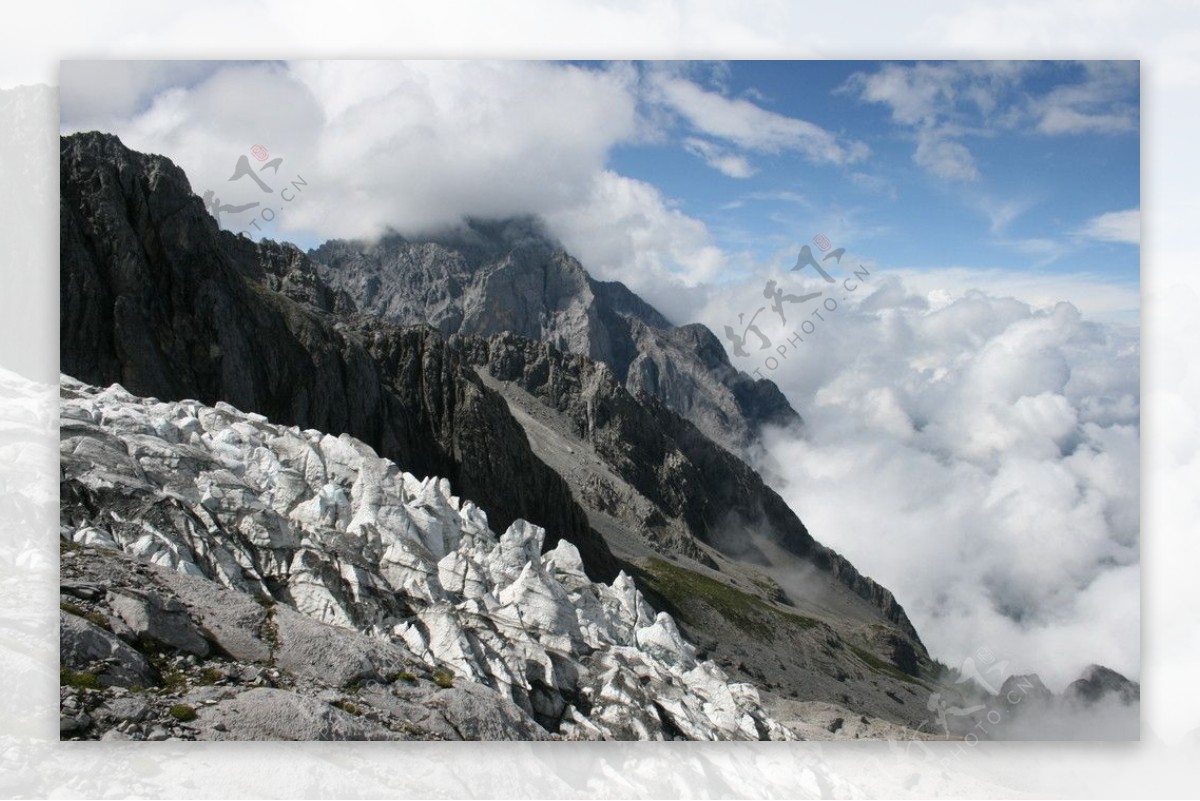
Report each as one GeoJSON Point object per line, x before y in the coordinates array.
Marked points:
{"type": "Point", "coordinates": [1165, 36]}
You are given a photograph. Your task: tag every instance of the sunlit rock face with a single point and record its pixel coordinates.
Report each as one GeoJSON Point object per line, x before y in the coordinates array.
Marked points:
{"type": "Point", "coordinates": [490, 277]}
{"type": "Point", "coordinates": [346, 538]}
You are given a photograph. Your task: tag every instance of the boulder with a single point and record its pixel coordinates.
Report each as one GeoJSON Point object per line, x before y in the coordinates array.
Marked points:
{"type": "Point", "coordinates": [473, 712]}
{"type": "Point", "coordinates": [264, 713]}
{"type": "Point", "coordinates": [163, 620]}
{"type": "Point", "coordinates": [85, 647]}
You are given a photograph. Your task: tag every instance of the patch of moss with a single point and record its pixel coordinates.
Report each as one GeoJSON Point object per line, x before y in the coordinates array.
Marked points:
{"type": "Point", "coordinates": [92, 616]}
{"type": "Point", "coordinates": [79, 681]}
{"type": "Point", "coordinates": [772, 589]}
{"type": "Point", "coordinates": [800, 621]}
{"type": "Point", "coordinates": [182, 712]}
{"type": "Point", "coordinates": [210, 676]}
{"type": "Point", "coordinates": [151, 648]}
{"type": "Point", "coordinates": [173, 679]}
{"type": "Point", "coordinates": [443, 679]}
{"type": "Point", "coordinates": [404, 675]}
{"type": "Point", "coordinates": [97, 619]}
{"type": "Point", "coordinates": [685, 590]}
{"type": "Point", "coordinates": [346, 706]}
{"type": "Point", "coordinates": [880, 666]}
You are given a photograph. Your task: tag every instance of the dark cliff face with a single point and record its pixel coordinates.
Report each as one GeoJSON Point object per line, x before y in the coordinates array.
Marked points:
{"type": "Point", "coordinates": [156, 298]}
{"type": "Point", "coordinates": [510, 276]}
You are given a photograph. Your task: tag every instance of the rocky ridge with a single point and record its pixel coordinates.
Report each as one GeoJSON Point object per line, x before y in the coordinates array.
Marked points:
{"type": "Point", "coordinates": [155, 297]}
{"type": "Point", "coordinates": [490, 277]}
{"type": "Point", "coordinates": [305, 563]}
{"type": "Point", "coordinates": [695, 492]}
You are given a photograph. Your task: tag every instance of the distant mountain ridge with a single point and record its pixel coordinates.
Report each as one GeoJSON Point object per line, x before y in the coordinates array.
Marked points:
{"type": "Point", "coordinates": [491, 277]}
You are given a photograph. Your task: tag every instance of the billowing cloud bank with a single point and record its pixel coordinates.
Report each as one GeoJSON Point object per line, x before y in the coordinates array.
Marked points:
{"type": "Point", "coordinates": [977, 454]}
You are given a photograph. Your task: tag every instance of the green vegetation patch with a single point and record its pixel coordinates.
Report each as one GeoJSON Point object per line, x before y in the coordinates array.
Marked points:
{"type": "Point", "coordinates": [79, 681]}
{"type": "Point", "coordinates": [182, 712]}
{"type": "Point", "coordinates": [346, 706]}
{"type": "Point", "coordinates": [173, 680]}
{"type": "Point", "coordinates": [93, 617]}
{"type": "Point", "coordinates": [210, 676]}
{"type": "Point", "coordinates": [443, 679]}
{"type": "Point", "coordinates": [881, 666]}
{"type": "Point", "coordinates": [686, 590]}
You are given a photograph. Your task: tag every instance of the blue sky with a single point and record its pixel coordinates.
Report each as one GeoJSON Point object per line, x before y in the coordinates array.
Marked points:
{"type": "Point", "coordinates": [1027, 207]}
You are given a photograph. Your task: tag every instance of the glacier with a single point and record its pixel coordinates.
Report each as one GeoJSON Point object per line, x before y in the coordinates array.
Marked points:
{"type": "Point", "coordinates": [324, 525]}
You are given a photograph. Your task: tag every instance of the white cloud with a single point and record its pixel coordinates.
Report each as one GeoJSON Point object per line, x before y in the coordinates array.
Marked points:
{"type": "Point", "coordinates": [419, 145]}
{"type": "Point", "coordinates": [1001, 213]}
{"type": "Point", "coordinates": [750, 126]}
{"type": "Point", "coordinates": [936, 101]}
{"type": "Point", "coordinates": [1115, 226]}
{"type": "Point", "coordinates": [1100, 103]}
{"type": "Point", "coordinates": [976, 454]}
{"type": "Point", "coordinates": [945, 158]}
{"type": "Point", "coordinates": [1096, 297]}
{"type": "Point", "coordinates": [412, 145]}
{"type": "Point", "coordinates": [941, 104]}
{"type": "Point", "coordinates": [875, 184]}
{"type": "Point", "coordinates": [719, 159]}
{"type": "Point", "coordinates": [1043, 251]}
{"type": "Point", "coordinates": [1057, 120]}
{"type": "Point", "coordinates": [115, 90]}
{"type": "Point", "coordinates": [625, 230]}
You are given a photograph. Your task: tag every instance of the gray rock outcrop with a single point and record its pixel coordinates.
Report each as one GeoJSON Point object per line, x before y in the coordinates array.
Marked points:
{"type": "Point", "coordinates": [491, 277]}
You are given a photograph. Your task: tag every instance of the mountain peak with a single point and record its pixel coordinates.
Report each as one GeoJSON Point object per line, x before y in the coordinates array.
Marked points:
{"type": "Point", "coordinates": [487, 277]}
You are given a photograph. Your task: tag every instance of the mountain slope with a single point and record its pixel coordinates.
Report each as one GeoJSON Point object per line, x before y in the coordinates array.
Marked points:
{"type": "Point", "coordinates": [709, 541]}
{"type": "Point", "coordinates": [490, 277]}
{"type": "Point", "coordinates": [712, 495]}
{"type": "Point", "coordinates": [155, 297]}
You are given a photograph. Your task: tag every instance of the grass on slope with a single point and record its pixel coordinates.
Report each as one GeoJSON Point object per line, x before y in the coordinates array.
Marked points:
{"type": "Point", "coordinates": [690, 593]}
{"type": "Point", "coordinates": [880, 666]}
